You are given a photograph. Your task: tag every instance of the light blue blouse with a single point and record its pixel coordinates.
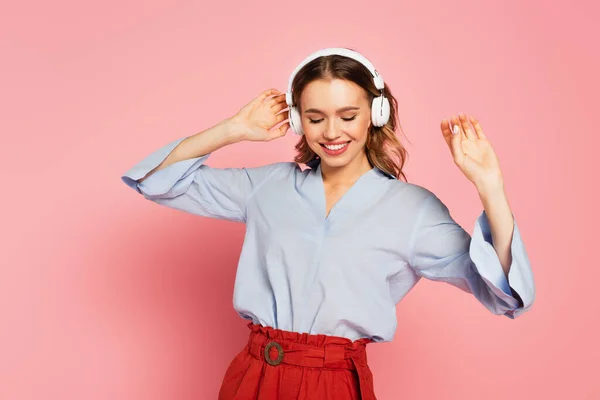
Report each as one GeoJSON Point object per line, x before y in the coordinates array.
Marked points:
{"type": "Point", "coordinates": [342, 274]}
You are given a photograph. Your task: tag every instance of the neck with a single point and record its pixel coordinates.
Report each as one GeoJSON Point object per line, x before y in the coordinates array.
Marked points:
{"type": "Point", "coordinates": [347, 174]}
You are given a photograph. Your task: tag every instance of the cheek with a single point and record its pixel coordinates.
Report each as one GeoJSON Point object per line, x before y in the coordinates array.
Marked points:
{"type": "Point", "coordinates": [311, 132]}
{"type": "Point", "coordinates": [359, 130]}
{"type": "Point", "coordinates": [312, 137]}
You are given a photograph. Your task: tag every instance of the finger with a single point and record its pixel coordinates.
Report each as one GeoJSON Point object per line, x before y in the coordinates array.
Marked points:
{"type": "Point", "coordinates": [278, 107]}
{"type": "Point", "coordinates": [466, 127]}
{"type": "Point", "coordinates": [456, 121]}
{"type": "Point", "coordinates": [280, 117]}
{"type": "Point", "coordinates": [277, 99]}
{"type": "Point", "coordinates": [456, 147]}
{"type": "Point", "coordinates": [446, 132]}
{"type": "Point", "coordinates": [284, 128]}
{"type": "Point", "coordinates": [477, 127]}
{"type": "Point", "coordinates": [266, 94]}
{"type": "Point", "coordinates": [446, 129]}
{"type": "Point", "coordinates": [279, 132]}
{"type": "Point", "coordinates": [280, 98]}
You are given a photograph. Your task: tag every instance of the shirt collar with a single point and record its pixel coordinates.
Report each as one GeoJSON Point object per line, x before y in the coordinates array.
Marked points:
{"type": "Point", "coordinates": [315, 162]}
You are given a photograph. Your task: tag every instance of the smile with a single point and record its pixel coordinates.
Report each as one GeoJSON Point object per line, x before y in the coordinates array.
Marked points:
{"type": "Point", "coordinates": [335, 149]}
{"type": "Point", "coordinates": [335, 146]}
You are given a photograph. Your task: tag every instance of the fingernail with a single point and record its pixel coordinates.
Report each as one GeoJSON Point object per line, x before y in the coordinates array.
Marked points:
{"type": "Point", "coordinates": [455, 130]}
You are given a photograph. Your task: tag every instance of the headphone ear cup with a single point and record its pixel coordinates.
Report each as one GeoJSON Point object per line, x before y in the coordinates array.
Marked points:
{"type": "Point", "coordinates": [295, 121]}
{"type": "Point", "coordinates": [380, 111]}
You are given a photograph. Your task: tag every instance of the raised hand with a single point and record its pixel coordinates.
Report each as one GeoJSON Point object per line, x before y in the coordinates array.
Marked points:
{"type": "Point", "coordinates": [256, 119]}
{"type": "Point", "coordinates": [472, 152]}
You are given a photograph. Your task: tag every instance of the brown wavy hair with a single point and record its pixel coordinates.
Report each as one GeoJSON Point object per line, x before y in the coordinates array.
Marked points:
{"type": "Point", "coordinates": [383, 148]}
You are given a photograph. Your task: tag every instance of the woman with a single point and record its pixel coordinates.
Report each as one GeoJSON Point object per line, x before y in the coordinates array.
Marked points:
{"type": "Point", "coordinates": [330, 250]}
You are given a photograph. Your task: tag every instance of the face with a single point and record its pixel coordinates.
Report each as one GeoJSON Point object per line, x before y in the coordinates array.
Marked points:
{"type": "Point", "coordinates": [336, 116]}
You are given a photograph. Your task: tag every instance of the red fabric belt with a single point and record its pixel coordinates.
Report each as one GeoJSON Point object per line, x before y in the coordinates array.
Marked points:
{"type": "Point", "coordinates": [332, 354]}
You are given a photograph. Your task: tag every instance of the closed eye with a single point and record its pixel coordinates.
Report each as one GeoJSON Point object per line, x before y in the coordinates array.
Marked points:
{"type": "Point", "coordinates": [316, 121]}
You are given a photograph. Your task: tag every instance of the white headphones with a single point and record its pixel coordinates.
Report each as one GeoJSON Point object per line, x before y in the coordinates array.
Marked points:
{"type": "Point", "coordinates": [380, 108]}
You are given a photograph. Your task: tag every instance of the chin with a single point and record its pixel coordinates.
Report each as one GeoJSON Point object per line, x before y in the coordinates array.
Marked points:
{"type": "Point", "coordinates": [335, 162]}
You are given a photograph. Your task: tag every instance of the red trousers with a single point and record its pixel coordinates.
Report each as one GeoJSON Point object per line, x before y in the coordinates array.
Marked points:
{"type": "Point", "coordinates": [283, 365]}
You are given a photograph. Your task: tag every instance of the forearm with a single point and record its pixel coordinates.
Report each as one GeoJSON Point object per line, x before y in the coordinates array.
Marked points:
{"type": "Point", "coordinates": [207, 141]}
{"type": "Point", "coordinates": [500, 217]}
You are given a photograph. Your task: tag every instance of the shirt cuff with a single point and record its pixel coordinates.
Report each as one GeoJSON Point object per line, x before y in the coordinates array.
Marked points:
{"type": "Point", "coordinates": [518, 290]}
{"type": "Point", "coordinates": [161, 181]}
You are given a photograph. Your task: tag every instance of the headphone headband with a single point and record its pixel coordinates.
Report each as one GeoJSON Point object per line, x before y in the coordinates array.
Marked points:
{"type": "Point", "coordinates": [377, 79]}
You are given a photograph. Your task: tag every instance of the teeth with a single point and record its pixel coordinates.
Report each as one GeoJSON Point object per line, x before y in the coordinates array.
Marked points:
{"type": "Point", "coordinates": [336, 146]}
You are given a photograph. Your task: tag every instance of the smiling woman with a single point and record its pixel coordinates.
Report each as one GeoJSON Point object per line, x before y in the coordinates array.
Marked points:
{"type": "Point", "coordinates": [331, 249]}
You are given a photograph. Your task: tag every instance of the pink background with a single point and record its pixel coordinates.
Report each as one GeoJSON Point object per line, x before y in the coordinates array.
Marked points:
{"type": "Point", "coordinates": [104, 295]}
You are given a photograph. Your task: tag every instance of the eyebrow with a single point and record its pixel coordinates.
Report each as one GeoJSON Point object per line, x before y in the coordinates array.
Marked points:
{"type": "Point", "coordinates": [314, 110]}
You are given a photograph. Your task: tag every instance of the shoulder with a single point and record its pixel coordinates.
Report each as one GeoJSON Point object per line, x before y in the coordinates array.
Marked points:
{"type": "Point", "coordinates": [273, 173]}
{"type": "Point", "coordinates": [418, 200]}
{"type": "Point", "coordinates": [409, 193]}
{"type": "Point", "coordinates": [272, 170]}
{"type": "Point", "coordinates": [282, 169]}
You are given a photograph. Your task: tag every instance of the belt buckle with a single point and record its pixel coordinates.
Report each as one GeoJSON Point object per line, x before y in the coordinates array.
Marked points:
{"type": "Point", "coordinates": [279, 358]}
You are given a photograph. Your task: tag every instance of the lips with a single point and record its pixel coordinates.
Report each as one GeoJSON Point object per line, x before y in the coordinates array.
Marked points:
{"type": "Point", "coordinates": [334, 143]}
{"type": "Point", "coordinates": [329, 144]}
{"type": "Point", "coordinates": [339, 148]}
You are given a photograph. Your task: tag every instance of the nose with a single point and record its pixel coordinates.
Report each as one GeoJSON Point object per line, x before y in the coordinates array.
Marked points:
{"type": "Point", "coordinates": [332, 130]}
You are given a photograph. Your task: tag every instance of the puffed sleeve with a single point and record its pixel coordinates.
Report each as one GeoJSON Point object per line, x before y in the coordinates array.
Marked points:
{"type": "Point", "coordinates": [443, 251]}
{"type": "Point", "coordinates": [194, 187]}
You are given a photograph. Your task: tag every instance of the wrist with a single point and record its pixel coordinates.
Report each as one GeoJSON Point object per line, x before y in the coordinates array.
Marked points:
{"type": "Point", "coordinates": [491, 191]}
{"type": "Point", "coordinates": [490, 185]}
{"type": "Point", "coordinates": [234, 131]}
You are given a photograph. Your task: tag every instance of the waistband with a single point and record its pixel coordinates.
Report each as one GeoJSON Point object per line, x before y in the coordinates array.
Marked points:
{"type": "Point", "coordinates": [277, 346]}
